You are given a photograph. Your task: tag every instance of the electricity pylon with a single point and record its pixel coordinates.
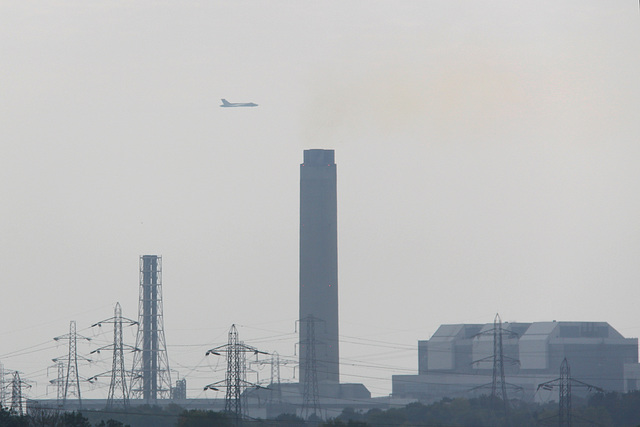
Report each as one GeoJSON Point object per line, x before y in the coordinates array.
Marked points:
{"type": "Point", "coordinates": [564, 383]}
{"type": "Point", "coordinates": [59, 381]}
{"type": "Point", "coordinates": [235, 377]}
{"type": "Point", "coordinates": [17, 397]}
{"type": "Point", "coordinates": [564, 412]}
{"type": "Point", "coordinates": [150, 375]}
{"type": "Point", "coordinates": [498, 384]}
{"type": "Point", "coordinates": [2, 386]}
{"type": "Point", "coordinates": [118, 391]}
{"type": "Point", "coordinates": [72, 379]}
{"type": "Point", "coordinates": [60, 385]}
{"type": "Point", "coordinates": [275, 379]}
{"type": "Point", "coordinates": [275, 396]}
{"type": "Point", "coordinates": [310, 393]}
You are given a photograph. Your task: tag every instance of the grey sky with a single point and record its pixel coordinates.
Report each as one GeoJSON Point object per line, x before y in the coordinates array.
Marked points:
{"type": "Point", "coordinates": [487, 162]}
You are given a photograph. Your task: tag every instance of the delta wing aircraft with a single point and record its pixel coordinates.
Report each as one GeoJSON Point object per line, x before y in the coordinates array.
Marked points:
{"type": "Point", "coordinates": [226, 103]}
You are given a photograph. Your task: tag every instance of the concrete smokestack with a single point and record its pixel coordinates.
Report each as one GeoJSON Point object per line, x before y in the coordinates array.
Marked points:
{"type": "Point", "coordinates": [319, 262]}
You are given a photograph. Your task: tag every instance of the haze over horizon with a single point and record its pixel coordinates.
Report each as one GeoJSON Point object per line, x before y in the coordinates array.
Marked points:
{"type": "Point", "coordinates": [487, 158]}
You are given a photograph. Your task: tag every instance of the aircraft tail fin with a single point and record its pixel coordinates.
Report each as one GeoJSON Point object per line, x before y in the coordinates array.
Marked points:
{"type": "Point", "coordinates": [225, 102]}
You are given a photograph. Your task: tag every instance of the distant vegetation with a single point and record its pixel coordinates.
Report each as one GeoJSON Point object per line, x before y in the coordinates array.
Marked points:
{"type": "Point", "coordinates": [609, 410]}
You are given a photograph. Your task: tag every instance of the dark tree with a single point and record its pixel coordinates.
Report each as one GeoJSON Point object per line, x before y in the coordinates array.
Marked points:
{"type": "Point", "coordinates": [197, 418]}
{"type": "Point", "coordinates": [8, 419]}
{"type": "Point", "coordinates": [74, 419]}
{"type": "Point", "coordinates": [340, 423]}
{"type": "Point", "coordinates": [112, 423]}
{"type": "Point", "coordinates": [289, 420]}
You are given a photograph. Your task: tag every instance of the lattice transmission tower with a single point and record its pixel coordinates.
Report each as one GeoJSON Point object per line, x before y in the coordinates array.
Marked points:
{"type": "Point", "coordinates": [310, 393]}
{"type": "Point", "coordinates": [274, 382]}
{"type": "Point", "coordinates": [2, 386]}
{"type": "Point", "coordinates": [275, 362]}
{"type": "Point", "coordinates": [72, 378]}
{"type": "Point", "coordinates": [564, 412]}
{"type": "Point", "coordinates": [276, 391]}
{"type": "Point", "coordinates": [118, 390]}
{"type": "Point", "coordinates": [498, 384]}
{"type": "Point", "coordinates": [499, 398]}
{"type": "Point", "coordinates": [564, 384]}
{"type": "Point", "coordinates": [59, 381]}
{"type": "Point", "coordinates": [150, 375]}
{"type": "Point", "coordinates": [235, 378]}
{"type": "Point", "coordinates": [17, 396]}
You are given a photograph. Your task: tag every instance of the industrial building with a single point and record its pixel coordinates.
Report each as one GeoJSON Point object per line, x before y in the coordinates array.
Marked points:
{"type": "Point", "coordinates": [458, 359]}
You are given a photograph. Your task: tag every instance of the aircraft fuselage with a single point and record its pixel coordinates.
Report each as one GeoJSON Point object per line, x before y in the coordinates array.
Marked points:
{"type": "Point", "coordinates": [226, 103]}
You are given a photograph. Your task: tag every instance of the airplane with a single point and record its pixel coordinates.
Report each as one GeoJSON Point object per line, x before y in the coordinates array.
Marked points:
{"type": "Point", "coordinates": [226, 103]}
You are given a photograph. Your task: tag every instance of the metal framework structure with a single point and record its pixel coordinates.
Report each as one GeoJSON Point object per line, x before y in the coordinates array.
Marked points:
{"type": "Point", "coordinates": [499, 397]}
{"type": "Point", "coordinates": [150, 375]}
{"type": "Point", "coordinates": [59, 381]}
{"type": "Point", "coordinates": [2, 386]}
{"type": "Point", "coordinates": [275, 362]}
{"type": "Point", "coordinates": [564, 384]}
{"type": "Point", "coordinates": [17, 397]}
{"type": "Point", "coordinates": [564, 413]}
{"type": "Point", "coordinates": [71, 378]}
{"type": "Point", "coordinates": [276, 395]}
{"type": "Point", "coordinates": [16, 394]}
{"type": "Point", "coordinates": [179, 392]}
{"type": "Point", "coordinates": [118, 390]}
{"type": "Point", "coordinates": [498, 384]}
{"type": "Point", "coordinates": [310, 393]}
{"type": "Point", "coordinates": [235, 377]}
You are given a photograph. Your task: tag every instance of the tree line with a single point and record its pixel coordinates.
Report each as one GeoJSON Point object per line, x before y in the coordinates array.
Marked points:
{"type": "Point", "coordinates": [602, 409]}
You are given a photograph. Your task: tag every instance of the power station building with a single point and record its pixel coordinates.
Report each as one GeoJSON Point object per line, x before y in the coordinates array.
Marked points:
{"type": "Point", "coordinates": [458, 359]}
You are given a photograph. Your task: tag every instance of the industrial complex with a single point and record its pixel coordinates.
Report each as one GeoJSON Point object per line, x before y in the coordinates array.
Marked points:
{"type": "Point", "coordinates": [511, 360]}
{"type": "Point", "coordinates": [459, 360]}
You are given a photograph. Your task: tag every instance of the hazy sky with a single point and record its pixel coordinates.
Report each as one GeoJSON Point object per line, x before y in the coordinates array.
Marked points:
{"type": "Point", "coordinates": [487, 159]}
